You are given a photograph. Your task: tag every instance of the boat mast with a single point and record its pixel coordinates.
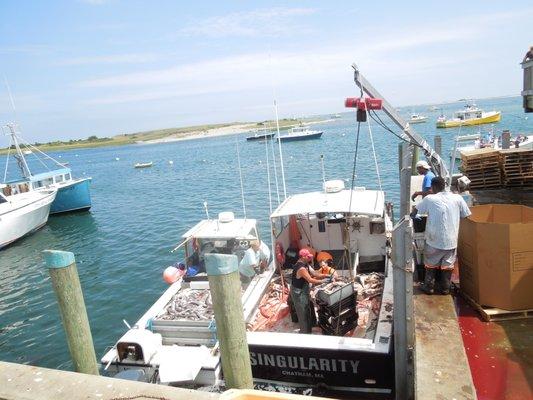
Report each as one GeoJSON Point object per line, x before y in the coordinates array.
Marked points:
{"type": "Point", "coordinates": [21, 160]}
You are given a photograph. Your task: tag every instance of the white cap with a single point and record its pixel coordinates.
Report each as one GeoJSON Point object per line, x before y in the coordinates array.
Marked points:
{"type": "Point", "coordinates": [423, 164]}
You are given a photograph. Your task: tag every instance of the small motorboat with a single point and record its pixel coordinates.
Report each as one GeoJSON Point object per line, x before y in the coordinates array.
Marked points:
{"type": "Point", "coordinates": [144, 165]}
{"type": "Point", "coordinates": [417, 119]}
{"type": "Point", "coordinates": [257, 136]}
{"type": "Point", "coordinates": [470, 115]}
{"type": "Point", "coordinates": [300, 133]}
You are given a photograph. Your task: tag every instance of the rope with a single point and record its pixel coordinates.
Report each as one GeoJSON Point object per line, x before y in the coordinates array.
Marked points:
{"type": "Point", "coordinates": [374, 153]}
{"type": "Point", "coordinates": [213, 329]}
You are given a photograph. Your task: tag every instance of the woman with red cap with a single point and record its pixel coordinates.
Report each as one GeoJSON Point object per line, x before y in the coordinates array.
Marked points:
{"type": "Point", "coordinates": [302, 276]}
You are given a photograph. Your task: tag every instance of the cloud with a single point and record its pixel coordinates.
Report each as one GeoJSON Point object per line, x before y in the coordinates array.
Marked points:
{"type": "Point", "coordinates": [264, 22]}
{"type": "Point", "coordinates": [110, 59]}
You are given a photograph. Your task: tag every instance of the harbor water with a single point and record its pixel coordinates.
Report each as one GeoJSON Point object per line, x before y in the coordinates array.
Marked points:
{"type": "Point", "coordinates": [123, 244]}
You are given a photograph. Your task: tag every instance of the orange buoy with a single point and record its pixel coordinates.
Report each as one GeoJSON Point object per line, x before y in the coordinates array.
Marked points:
{"type": "Point", "coordinates": [171, 275]}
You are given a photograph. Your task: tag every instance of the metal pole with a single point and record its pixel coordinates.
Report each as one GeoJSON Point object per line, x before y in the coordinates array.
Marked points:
{"type": "Point", "coordinates": [405, 180]}
{"type": "Point", "coordinates": [404, 339]}
{"type": "Point", "coordinates": [437, 144]}
{"type": "Point", "coordinates": [225, 285]}
{"type": "Point", "coordinates": [506, 139]}
{"type": "Point", "coordinates": [66, 283]}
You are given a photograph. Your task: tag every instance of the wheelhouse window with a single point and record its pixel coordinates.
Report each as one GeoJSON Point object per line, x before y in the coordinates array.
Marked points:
{"type": "Point", "coordinates": [59, 178]}
{"type": "Point", "coordinates": [67, 177]}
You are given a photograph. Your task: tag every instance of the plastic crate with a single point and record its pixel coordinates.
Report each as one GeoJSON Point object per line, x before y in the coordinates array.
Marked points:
{"type": "Point", "coordinates": [338, 295]}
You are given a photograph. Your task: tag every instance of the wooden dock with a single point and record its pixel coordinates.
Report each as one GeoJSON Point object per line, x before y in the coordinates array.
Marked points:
{"type": "Point", "coordinates": [441, 365]}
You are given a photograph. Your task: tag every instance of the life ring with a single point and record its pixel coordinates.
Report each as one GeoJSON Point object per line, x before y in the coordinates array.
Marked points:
{"type": "Point", "coordinates": [280, 254]}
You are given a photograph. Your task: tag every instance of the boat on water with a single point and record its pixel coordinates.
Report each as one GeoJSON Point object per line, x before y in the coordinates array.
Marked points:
{"type": "Point", "coordinates": [143, 165]}
{"type": "Point", "coordinates": [470, 115]}
{"type": "Point", "coordinates": [336, 116]}
{"type": "Point", "coordinates": [259, 136]}
{"type": "Point", "coordinates": [172, 335]}
{"type": "Point", "coordinates": [300, 133]}
{"type": "Point", "coordinates": [339, 356]}
{"type": "Point", "coordinates": [23, 213]}
{"type": "Point", "coordinates": [417, 119]}
{"type": "Point", "coordinates": [433, 108]}
{"type": "Point", "coordinates": [73, 194]}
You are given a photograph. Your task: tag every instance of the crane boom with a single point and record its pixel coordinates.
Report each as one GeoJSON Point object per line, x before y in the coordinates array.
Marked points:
{"type": "Point", "coordinates": [408, 133]}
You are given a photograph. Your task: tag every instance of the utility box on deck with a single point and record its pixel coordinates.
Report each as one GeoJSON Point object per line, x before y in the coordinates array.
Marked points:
{"type": "Point", "coordinates": [496, 256]}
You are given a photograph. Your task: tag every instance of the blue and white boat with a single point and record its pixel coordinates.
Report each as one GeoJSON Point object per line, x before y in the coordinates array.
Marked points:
{"type": "Point", "coordinates": [73, 194]}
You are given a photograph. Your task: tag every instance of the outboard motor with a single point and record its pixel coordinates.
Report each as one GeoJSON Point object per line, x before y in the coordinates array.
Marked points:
{"type": "Point", "coordinates": [138, 346]}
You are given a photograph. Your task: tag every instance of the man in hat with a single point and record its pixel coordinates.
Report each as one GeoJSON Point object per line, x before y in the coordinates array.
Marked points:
{"type": "Point", "coordinates": [302, 276]}
{"type": "Point", "coordinates": [444, 210]}
{"type": "Point", "coordinates": [423, 168]}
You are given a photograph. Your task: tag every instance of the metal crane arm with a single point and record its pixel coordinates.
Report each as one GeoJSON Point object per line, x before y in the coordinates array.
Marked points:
{"type": "Point", "coordinates": [407, 132]}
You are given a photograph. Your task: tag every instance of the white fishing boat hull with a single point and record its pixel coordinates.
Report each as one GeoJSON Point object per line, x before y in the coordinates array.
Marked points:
{"type": "Point", "coordinates": [21, 216]}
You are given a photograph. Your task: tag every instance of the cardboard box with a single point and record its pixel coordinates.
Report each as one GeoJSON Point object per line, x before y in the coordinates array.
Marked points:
{"type": "Point", "coordinates": [495, 252]}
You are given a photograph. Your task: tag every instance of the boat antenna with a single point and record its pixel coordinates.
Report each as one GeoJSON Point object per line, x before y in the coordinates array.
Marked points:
{"type": "Point", "coordinates": [277, 128]}
{"type": "Point", "coordinates": [280, 152]}
{"type": "Point", "coordinates": [206, 209]}
{"type": "Point", "coordinates": [240, 175]}
{"type": "Point", "coordinates": [323, 171]}
{"type": "Point", "coordinates": [8, 153]}
{"type": "Point", "coordinates": [274, 164]}
{"type": "Point", "coordinates": [11, 98]}
{"type": "Point", "coordinates": [268, 176]}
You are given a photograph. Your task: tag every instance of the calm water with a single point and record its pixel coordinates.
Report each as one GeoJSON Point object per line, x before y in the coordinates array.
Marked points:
{"type": "Point", "coordinates": [123, 244]}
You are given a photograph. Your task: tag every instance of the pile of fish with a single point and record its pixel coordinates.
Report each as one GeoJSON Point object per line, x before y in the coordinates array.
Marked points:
{"type": "Point", "coordinates": [189, 304]}
{"type": "Point", "coordinates": [369, 289]}
{"type": "Point", "coordinates": [329, 288]}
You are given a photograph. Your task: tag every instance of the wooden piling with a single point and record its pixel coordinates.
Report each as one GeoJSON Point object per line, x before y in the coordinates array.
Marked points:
{"type": "Point", "coordinates": [66, 283]}
{"type": "Point", "coordinates": [225, 286]}
{"type": "Point", "coordinates": [415, 159]}
{"type": "Point", "coordinates": [506, 139]}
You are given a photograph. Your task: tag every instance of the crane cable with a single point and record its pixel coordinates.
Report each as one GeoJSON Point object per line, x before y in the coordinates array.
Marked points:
{"type": "Point", "coordinates": [374, 153]}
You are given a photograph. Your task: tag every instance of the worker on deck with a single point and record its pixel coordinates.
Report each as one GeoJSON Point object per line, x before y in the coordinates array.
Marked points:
{"type": "Point", "coordinates": [326, 268]}
{"type": "Point", "coordinates": [444, 210]}
{"type": "Point", "coordinates": [423, 168]}
{"type": "Point", "coordinates": [302, 276]}
{"type": "Point", "coordinates": [255, 260]}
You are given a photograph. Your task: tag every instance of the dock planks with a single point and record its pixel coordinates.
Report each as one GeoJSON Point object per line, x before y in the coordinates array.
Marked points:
{"type": "Point", "coordinates": [442, 370]}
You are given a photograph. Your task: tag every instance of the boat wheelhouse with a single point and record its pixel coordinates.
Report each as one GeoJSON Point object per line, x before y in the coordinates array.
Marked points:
{"type": "Point", "coordinates": [417, 119]}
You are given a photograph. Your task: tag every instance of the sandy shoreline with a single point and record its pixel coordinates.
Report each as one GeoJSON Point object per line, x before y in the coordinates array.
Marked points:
{"type": "Point", "coordinates": [214, 132]}
{"type": "Point", "coordinates": [226, 130]}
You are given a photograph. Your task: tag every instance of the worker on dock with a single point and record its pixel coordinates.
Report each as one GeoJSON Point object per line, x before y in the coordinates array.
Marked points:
{"type": "Point", "coordinates": [302, 276]}
{"type": "Point", "coordinates": [444, 210]}
{"type": "Point", "coordinates": [423, 168]}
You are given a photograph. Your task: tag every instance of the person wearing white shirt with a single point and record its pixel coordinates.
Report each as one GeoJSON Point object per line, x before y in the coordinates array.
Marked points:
{"type": "Point", "coordinates": [444, 211]}
{"type": "Point", "coordinates": [255, 260]}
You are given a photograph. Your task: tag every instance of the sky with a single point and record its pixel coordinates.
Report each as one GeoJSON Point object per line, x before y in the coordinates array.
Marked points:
{"type": "Point", "coordinates": [104, 67]}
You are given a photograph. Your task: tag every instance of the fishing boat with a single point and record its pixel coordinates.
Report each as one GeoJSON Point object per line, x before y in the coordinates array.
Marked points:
{"type": "Point", "coordinates": [300, 133]}
{"type": "Point", "coordinates": [22, 213]}
{"type": "Point", "coordinates": [336, 116]}
{"type": "Point", "coordinates": [470, 115]}
{"type": "Point", "coordinates": [343, 358]}
{"type": "Point", "coordinates": [143, 165]}
{"type": "Point", "coordinates": [417, 119]}
{"type": "Point", "coordinates": [433, 108]}
{"type": "Point", "coordinates": [73, 194]}
{"type": "Point", "coordinates": [468, 143]}
{"type": "Point", "coordinates": [258, 136]}
{"type": "Point", "coordinates": [175, 340]}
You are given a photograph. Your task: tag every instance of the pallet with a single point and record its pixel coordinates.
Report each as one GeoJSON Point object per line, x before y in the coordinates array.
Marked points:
{"type": "Point", "coordinates": [493, 314]}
